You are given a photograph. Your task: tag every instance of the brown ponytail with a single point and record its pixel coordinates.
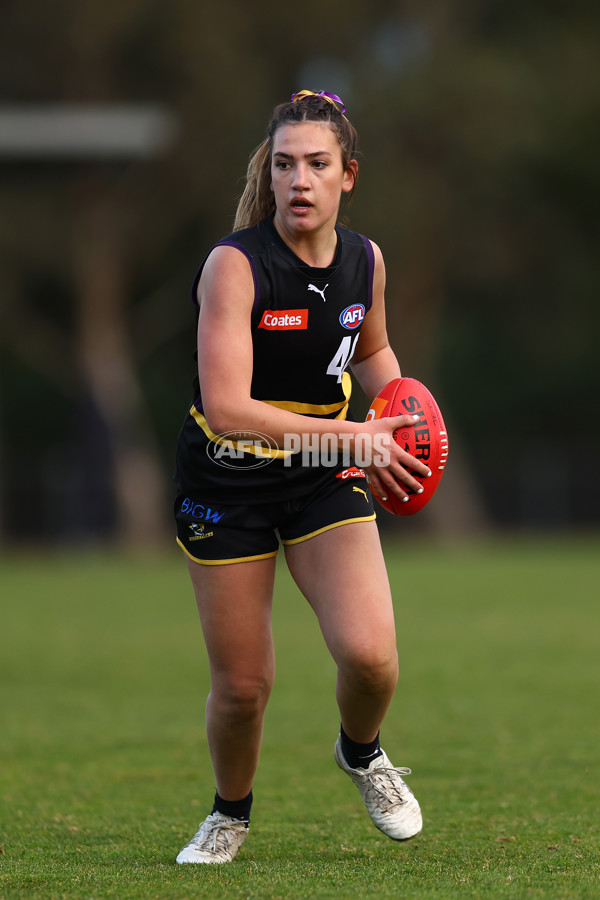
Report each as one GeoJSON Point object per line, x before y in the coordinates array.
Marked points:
{"type": "Point", "coordinates": [257, 202]}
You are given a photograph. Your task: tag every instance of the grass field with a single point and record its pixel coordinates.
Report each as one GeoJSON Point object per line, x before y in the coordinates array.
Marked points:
{"type": "Point", "coordinates": [104, 766]}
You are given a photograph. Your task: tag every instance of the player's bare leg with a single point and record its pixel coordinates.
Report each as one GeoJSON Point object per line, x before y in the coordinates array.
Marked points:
{"type": "Point", "coordinates": [235, 602]}
{"type": "Point", "coordinates": [342, 574]}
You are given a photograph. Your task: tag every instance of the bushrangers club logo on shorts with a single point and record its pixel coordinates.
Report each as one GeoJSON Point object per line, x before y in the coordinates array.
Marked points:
{"type": "Point", "coordinates": [199, 532]}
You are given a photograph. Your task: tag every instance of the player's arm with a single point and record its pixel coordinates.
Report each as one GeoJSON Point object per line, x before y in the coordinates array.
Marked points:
{"type": "Point", "coordinates": [374, 363]}
{"type": "Point", "coordinates": [225, 297]}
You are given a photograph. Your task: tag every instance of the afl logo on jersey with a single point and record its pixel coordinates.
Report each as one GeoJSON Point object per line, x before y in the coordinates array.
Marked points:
{"type": "Point", "coordinates": [352, 316]}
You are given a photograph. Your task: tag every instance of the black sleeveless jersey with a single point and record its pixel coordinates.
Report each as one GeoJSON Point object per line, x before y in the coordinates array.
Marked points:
{"type": "Point", "coordinates": [305, 324]}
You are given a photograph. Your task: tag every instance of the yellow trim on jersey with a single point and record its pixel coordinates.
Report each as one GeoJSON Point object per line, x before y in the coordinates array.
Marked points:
{"type": "Point", "coordinates": [305, 537]}
{"type": "Point", "coordinates": [245, 447]}
{"type": "Point", "coordinates": [225, 562]}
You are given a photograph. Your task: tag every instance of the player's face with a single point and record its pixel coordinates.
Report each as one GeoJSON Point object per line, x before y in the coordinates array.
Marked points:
{"type": "Point", "coordinates": [308, 176]}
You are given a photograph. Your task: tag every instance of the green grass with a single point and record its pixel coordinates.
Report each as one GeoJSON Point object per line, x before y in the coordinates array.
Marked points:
{"type": "Point", "coordinates": [104, 768]}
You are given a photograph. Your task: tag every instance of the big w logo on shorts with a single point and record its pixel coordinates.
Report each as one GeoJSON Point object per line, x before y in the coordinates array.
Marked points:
{"type": "Point", "coordinates": [284, 319]}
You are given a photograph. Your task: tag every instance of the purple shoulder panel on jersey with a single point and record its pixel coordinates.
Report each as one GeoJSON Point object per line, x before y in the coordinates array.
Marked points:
{"type": "Point", "coordinates": [243, 250]}
{"type": "Point", "coordinates": [371, 261]}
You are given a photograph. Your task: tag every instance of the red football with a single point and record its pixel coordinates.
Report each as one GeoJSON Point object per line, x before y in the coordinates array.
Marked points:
{"type": "Point", "coordinates": [427, 440]}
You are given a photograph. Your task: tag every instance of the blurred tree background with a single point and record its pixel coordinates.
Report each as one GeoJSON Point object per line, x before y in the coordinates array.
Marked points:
{"type": "Point", "coordinates": [479, 126]}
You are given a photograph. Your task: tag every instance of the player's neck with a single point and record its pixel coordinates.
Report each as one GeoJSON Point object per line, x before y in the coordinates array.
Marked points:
{"type": "Point", "coordinates": [315, 248]}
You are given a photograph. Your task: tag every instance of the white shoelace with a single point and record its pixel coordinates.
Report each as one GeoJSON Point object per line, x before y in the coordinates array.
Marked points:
{"type": "Point", "coordinates": [213, 836]}
{"type": "Point", "coordinates": [385, 787]}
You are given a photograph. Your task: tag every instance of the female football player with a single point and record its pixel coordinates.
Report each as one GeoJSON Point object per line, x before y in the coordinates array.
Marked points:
{"type": "Point", "coordinates": [286, 304]}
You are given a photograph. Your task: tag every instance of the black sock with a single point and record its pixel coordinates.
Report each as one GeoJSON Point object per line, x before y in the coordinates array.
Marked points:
{"type": "Point", "coordinates": [359, 755]}
{"type": "Point", "coordinates": [237, 809]}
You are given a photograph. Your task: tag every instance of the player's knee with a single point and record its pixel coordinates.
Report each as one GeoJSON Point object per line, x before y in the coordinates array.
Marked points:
{"type": "Point", "coordinates": [243, 697]}
{"type": "Point", "coordinates": [372, 670]}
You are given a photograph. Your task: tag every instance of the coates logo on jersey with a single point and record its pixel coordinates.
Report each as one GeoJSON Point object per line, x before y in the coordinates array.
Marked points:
{"type": "Point", "coordinates": [352, 316]}
{"type": "Point", "coordinates": [284, 319]}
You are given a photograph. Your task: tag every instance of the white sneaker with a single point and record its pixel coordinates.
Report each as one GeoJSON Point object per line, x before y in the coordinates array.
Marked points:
{"type": "Point", "coordinates": [393, 807]}
{"type": "Point", "coordinates": [218, 840]}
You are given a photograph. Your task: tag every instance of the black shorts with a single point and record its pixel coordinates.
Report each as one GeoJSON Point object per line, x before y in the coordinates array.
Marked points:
{"type": "Point", "coordinates": [217, 534]}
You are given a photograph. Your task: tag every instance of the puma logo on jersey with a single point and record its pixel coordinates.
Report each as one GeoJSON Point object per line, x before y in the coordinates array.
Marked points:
{"type": "Point", "coordinates": [360, 491]}
{"type": "Point", "coordinates": [313, 287]}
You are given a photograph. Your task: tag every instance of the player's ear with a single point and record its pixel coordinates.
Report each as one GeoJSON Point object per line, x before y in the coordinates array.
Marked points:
{"type": "Point", "coordinates": [350, 176]}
